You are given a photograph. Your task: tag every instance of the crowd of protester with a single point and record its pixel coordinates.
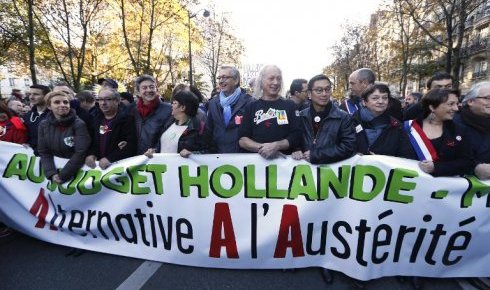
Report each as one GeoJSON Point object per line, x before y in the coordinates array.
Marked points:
{"type": "Point", "coordinates": [449, 135]}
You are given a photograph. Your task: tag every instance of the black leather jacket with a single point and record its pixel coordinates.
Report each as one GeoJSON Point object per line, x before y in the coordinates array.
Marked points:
{"type": "Point", "coordinates": [335, 140]}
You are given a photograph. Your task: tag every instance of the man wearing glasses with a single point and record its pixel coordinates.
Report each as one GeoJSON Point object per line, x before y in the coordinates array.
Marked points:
{"type": "Point", "coordinates": [328, 134]}
{"type": "Point", "coordinates": [299, 93]}
{"type": "Point", "coordinates": [475, 115]}
{"type": "Point", "coordinates": [225, 113]}
{"type": "Point", "coordinates": [115, 131]}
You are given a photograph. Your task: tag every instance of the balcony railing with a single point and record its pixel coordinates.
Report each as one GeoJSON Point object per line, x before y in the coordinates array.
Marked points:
{"type": "Point", "coordinates": [477, 46]}
{"type": "Point", "coordinates": [481, 17]}
{"type": "Point", "coordinates": [479, 75]}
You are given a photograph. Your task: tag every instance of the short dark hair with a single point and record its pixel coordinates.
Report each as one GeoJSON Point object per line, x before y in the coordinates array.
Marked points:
{"type": "Point", "coordinates": [44, 89]}
{"type": "Point", "coordinates": [85, 96]}
{"type": "Point", "coordinates": [197, 92]}
{"type": "Point", "coordinates": [382, 88]}
{"type": "Point", "coordinates": [297, 86]}
{"type": "Point", "coordinates": [439, 76]}
{"type": "Point", "coordinates": [315, 79]}
{"type": "Point", "coordinates": [141, 79]}
{"type": "Point", "coordinates": [435, 97]}
{"type": "Point", "coordinates": [189, 100]}
{"type": "Point", "coordinates": [416, 95]}
{"type": "Point", "coordinates": [127, 96]}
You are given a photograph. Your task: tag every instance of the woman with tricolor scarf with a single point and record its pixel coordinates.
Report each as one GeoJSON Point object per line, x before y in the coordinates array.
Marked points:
{"type": "Point", "coordinates": [151, 114]}
{"type": "Point", "coordinates": [440, 144]}
{"type": "Point", "coordinates": [378, 132]}
{"type": "Point", "coordinates": [12, 128]}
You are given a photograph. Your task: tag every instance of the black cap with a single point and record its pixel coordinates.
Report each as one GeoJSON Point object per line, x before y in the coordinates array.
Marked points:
{"type": "Point", "coordinates": [110, 82]}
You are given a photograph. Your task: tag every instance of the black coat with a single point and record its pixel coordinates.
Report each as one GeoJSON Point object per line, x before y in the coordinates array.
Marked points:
{"type": "Point", "coordinates": [455, 156]}
{"type": "Point", "coordinates": [335, 140]}
{"type": "Point", "coordinates": [413, 111]}
{"type": "Point", "coordinates": [479, 140]}
{"type": "Point", "coordinates": [67, 137]}
{"type": "Point", "coordinates": [123, 128]}
{"type": "Point", "coordinates": [32, 120]}
{"type": "Point", "coordinates": [191, 139]}
{"type": "Point", "coordinates": [393, 140]}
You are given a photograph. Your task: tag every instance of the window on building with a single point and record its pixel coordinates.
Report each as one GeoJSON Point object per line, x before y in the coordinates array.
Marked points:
{"type": "Point", "coordinates": [27, 82]}
{"type": "Point", "coordinates": [12, 82]}
{"type": "Point", "coordinates": [481, 66]}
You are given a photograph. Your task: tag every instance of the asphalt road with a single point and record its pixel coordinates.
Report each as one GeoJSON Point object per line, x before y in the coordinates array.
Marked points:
{"type": "Point", "coordinates": [27, 263]}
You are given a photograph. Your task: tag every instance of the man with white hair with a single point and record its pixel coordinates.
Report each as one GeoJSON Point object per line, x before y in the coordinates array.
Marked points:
{"type": "Point", "coordinates": [270, 124]}
{"type": "Point", "coordinates": [475, 115]}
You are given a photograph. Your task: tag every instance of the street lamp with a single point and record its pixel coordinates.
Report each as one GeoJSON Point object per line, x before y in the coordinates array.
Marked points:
{"type": "Point", "coordinates": [205, 14]}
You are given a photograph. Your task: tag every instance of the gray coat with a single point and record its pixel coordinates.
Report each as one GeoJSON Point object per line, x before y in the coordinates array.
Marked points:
{"type": "Point", "coordinates": [67, 137]}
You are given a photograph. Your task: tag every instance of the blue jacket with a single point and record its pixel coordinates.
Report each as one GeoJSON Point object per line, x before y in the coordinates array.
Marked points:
{"type": "Point", "coordinates": [218, 137]}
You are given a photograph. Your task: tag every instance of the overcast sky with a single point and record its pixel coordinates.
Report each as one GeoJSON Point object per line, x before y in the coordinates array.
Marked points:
{"type": "Point", "coordinates": [295, 35]}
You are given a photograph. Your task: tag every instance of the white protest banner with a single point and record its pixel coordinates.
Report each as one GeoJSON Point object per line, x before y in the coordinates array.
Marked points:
{"type": "Point", "coordinates": [368, 216]}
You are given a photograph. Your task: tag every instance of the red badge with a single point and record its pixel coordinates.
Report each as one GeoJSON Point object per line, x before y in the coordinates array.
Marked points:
{"type": "Point", "coordinates": [238, 120]}
{"type": "Point", "coordinates": [450, 143]}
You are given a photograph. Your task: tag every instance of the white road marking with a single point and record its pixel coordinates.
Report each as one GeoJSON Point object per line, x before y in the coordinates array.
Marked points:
{"type": "Point", "coordinates": [140, 276]}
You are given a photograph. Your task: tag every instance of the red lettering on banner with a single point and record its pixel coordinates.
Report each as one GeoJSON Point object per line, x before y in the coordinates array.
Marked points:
{"type": "Point", "coordinates": [289, 223]}
{"type": "Point", "coordinates": [222, 220]}
{"type": "Point", "coordinates": [41, 206]}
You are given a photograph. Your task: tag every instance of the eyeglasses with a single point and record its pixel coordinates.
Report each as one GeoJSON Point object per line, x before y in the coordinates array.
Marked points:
{"type": "Point", "coordinates": [99, 100]}
{"type": "Point", "coordinates": [223, 78]}
{"type": "Point", "coordinates": [57, 102]}
{"type": "Point", "coordinates": [306, 91]}
{"type": "Point", "coordinates": [487, 98]}
{"type": "Point", "coordinates": [321, 90]}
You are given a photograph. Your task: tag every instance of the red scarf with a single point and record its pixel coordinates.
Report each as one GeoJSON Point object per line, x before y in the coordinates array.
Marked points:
{"type": "Point", "coordinates": [146, 109]}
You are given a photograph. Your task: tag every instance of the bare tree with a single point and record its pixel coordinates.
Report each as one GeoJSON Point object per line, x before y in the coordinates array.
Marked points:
{"type": "Point", "coordinates": [443, 22]}
{"type": "Point", "coordinates": [65, 24]}
{"type": "Point", "coordinates": [347, 58]}
{"type": "Point", "coordinates": [17, 27]}
{"type": "Point", "coordinates": [220, 46]}
{"type": "Point", "coordinates": [140, 21]}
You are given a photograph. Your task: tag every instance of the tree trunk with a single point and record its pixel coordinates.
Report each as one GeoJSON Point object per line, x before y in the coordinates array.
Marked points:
{"type": "Point", "coordinates": [32, 48]}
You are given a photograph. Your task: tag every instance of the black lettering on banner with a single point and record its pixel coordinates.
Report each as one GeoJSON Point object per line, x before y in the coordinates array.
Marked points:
{"type": "Point", "coordinates": [336, 232]}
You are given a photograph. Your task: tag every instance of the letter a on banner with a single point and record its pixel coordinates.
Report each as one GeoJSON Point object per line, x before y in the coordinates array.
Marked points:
{"type": "Point", "coordinates": [289, 223]}
{"type": "Point", "coordinates": [41, 206]}
{"type": "Point", "coordinates": [222, 220]}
